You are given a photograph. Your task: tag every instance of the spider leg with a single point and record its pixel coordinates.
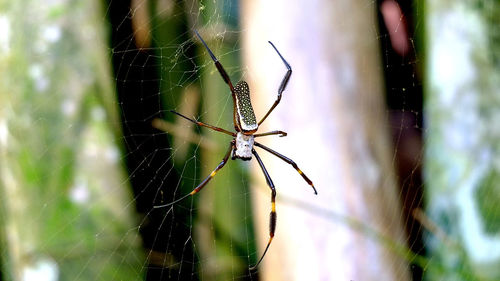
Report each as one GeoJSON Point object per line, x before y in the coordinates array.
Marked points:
{"type": "Point", "coordinates": [282, 87]}
{"type": "Point", "coordinates": [205, 125]}
{"type": "Point", "coordinates": [219, 66]}
{"type": "Point", "coordinates": [205, 181]}
{"type": "Point", "coordinates": [281, 133]}
{"type": "Point", "coordinates": [289, 161]}
{"type": "Point", "coordinates": [272, 216]}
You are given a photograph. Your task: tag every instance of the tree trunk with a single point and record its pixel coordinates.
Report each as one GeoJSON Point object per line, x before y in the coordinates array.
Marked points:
{"type": "Point", "coordinates": [462, 144]}
{"type": "Point", "coordinates": [334, 114]}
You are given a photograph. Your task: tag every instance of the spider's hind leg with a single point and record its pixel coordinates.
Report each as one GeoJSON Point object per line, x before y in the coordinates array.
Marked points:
{"type": "Point", "coordinates": [205, 181]}
{"type": "Point", "coordinates": [272, 215]}
{"type": "Point", "coordinates": [289, 161]}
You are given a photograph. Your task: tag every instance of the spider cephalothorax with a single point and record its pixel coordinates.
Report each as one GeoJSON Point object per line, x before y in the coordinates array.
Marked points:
{"type": "Point", "coordinates": [243, 146]}
{"type": "Point", "coordinates": [243, 142]}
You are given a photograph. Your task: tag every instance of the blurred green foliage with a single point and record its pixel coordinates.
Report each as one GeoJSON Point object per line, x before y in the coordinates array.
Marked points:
{"type": "Point", "coordinates": [462, 151]}
{"type": "Point", "coordinates": [65, 201]}
{"type": "Point", "coordinates": [488, 197]}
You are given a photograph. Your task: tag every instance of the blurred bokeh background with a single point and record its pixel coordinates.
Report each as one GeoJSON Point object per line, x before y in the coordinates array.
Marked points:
{"type": "Point", "coordinates": [392, 111]}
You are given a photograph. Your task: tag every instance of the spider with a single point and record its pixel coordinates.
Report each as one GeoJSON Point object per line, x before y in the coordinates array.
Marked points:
{"type": "Point", "coordinates": [243, 142]}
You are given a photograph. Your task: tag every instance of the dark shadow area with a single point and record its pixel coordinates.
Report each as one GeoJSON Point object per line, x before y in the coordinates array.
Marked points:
{"type": "Point", "coordinates": [166, 232]}
{"type": "Point", "coordinates": [404, 99]}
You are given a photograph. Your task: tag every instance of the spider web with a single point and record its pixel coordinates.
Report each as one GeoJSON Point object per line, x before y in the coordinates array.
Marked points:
{"type": "Point", "coordinates": [211, 236]}
{"type": "Point", "coordinates": [158, 67]}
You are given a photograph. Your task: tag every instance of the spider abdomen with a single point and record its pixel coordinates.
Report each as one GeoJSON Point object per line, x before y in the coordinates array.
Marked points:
{"type": "Point", "coordinates": [244, 110]}
{"type": "Point", "coordinates": [243, 146]}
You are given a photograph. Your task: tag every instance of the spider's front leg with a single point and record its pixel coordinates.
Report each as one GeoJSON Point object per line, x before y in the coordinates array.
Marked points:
{"type": "Point", "coordinates": [282, 87]}
{"type": "Point", "coordinates": [272, 215]}
{"type": "Point", "coordinates": [218, 65]}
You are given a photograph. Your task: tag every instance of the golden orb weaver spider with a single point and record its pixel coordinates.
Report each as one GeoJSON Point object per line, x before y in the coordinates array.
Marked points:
{"type": "Point", "coordinates": [243, 142]}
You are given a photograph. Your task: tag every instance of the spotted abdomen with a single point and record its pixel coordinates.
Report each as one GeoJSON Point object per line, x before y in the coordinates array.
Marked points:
{"type": "Point", "coordinates": [244, 109]}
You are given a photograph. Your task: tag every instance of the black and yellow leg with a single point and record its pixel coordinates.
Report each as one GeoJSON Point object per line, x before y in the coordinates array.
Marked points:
{"type": "Point", "coordinates": [289, 161]}
{"type": "Point", "coordinates": [272, 216]}
{"type": "Point", "coordinates": [205, 181]}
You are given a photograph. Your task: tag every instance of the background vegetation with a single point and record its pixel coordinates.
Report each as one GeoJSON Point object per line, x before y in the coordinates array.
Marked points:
{"type": "Point", "coordinates": [88, 145]}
